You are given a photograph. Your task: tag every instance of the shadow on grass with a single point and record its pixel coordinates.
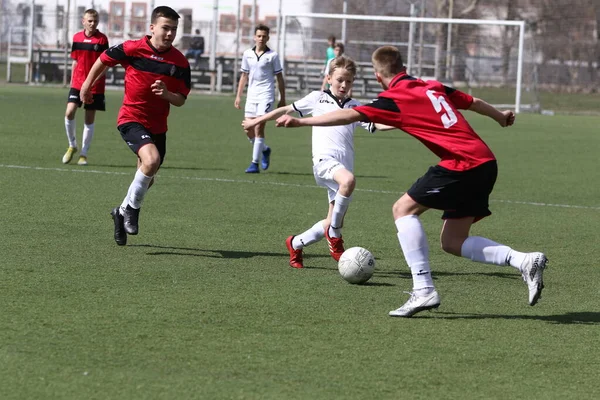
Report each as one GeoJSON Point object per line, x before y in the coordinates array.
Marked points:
{"type": "Point", "coordinates": [436, 274]}
{"type": "Point", "coordinates": [195, 252]}
{"type": "Point", "coordinates": [164, 167]}
{"type": "Point", "coordinates": [309, 174]}
{"type": "Point", "coordinates": [577, 318]}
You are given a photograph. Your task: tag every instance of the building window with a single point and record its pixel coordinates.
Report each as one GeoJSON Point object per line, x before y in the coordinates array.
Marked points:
{"type": "Point", "coordinates": [227, 23]}
{"type": "Point", "coordinates": [60, 17]}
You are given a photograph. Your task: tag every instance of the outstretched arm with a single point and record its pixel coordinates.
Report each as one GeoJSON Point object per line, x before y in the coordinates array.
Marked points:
{"type": "Point", "coordinates": [85, 94]}
{"type": "Point", "coordinates": [339, 117]}
{"type": "Point", "coordinates": [276, 113]}
{"type": "Point", "coordinates": [504, 118]}
{"type": "Point", "coordinates": [382, 127]}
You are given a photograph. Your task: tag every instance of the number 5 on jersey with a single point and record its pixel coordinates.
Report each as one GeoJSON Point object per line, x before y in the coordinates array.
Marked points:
{"type": "Point", "coordinates": [448, 117]}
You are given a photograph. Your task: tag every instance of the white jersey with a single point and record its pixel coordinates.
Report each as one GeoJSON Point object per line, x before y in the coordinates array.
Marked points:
{"type": "Point", "coordinates": [331, 141]}
{"type": "Point", "coordinates": [261, 72]}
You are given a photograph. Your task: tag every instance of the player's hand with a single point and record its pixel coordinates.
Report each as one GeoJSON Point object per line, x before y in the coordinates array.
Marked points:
{"type": "Point", "coordinates": [236, 103]}
{"type": "Point", "coordinates": [287, 121]}
{"type": "Point", "coordinates": [85, 94]}
{"type": "Point", "coordinates": [248, 123]}
{"type": "Point", "coordinates": [509, 118]}
{"type": "Point", "coordinates": [159, 88]}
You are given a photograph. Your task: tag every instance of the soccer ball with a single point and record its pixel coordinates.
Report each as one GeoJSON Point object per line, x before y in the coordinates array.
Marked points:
{"type": "Point", "coordinates": [356, 265]}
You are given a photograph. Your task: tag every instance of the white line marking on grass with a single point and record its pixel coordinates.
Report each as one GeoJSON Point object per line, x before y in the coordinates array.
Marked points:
{"type": "Point", "coordinates": [192, 178]}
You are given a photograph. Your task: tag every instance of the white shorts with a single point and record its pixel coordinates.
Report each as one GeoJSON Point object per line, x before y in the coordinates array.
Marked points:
{"type": "Point", "coordinates": [324, 171]}
{"type": "Point", "coordinates": [258, 109]}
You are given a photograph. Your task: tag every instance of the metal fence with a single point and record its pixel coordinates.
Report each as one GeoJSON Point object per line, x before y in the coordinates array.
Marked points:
{"type": "Point", "coordinates": [227, 27]}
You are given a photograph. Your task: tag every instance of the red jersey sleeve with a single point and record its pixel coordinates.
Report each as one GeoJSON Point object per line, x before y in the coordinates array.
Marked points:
{"type": "Point", "coordinates": [73, 51]}
{"type": "Point", "coordinates": [461, 100]}
{"type": "Point", "coordinates": [185, 84]}
{"type": "Point", "coordinates": [116, 55]}
{"type": "Point", "coordinates": [382, 110]}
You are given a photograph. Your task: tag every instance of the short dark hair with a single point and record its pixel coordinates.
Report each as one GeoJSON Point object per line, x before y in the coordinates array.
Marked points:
{"type": "Point", "coordinates": [331, 39]}
{"type": "Point", "coordinates": [262, 27]}
{"type": "Point", "coordinates": [165, 12]}
{"type": "Point", "coordinates": [340, 46]}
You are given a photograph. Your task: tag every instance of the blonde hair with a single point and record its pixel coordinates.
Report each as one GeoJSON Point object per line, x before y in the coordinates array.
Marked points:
{"type": "Point", "coordinates": [342, 62]}
{"type": "Point", "coordinates": [387, 61]}
{"type": "Point", "coordinates": [91, 12]}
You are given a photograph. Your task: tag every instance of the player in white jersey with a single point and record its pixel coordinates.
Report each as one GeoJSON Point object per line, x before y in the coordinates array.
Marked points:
{"type": "Point", "coordinates": [260, 67]}
{"type": "Point", "coordinates": [333, 156]}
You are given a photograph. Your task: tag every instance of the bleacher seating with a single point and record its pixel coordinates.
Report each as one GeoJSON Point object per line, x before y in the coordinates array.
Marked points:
{"type": "Point", "coordinates": [302, 76]}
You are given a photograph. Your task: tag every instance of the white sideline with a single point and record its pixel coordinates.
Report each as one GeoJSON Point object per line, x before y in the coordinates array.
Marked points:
{"type": "Point", "coordinates": [92, 171]}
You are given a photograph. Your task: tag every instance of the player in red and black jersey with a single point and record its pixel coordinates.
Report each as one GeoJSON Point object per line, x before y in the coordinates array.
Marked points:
{"type": "Point", "coordinates": [87, 47]}
{"type": "Point", "coordinates": [156, 76]}
{"type": "Point", "coordinates": [460, 185]}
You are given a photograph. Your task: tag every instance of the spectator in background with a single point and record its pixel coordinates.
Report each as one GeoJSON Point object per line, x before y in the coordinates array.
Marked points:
{"type": "Point", "coordinates": [196, 49]}
{"type": "Point", "coordinates": [330, 55]}
{"type": "Point", "coordinates": [338, 50]}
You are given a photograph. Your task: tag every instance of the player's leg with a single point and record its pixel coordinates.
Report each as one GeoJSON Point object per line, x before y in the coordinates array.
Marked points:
{"type": "Point", "coordinates": [88, 127]}
{"type": "Point", "coordinates": [264, 151]}
{"type": "Point", "coordinates": [340, 182]}
{"type": "Point", "coordinates": [150, 150]}
{"type": "Point", "coordinates": [250, 112]}
{"type": "Point", "coordinates": [415, 248]}
{"type": "Point", "coordinates": [346, 184]}
{"type": "Point", "coordinates": [476, 185]}
{"type": "Point", "coordinates": [73, 102]}
{"type": "Point", "coordinates": [296, 243]}
{"type": "Point", "coordinates": [88, 134]}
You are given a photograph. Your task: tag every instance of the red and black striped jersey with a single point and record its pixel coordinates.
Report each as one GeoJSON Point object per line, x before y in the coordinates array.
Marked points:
{"type": "Point", "coordinates": [86, 50]}
{"type": "Point", "coordinates": [144, 65]}
{"type": "Point", "coordinates": [428, 110]}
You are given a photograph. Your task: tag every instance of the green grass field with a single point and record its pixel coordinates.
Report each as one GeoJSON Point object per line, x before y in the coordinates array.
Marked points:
{"type": "Point", "coordinates": [202, 303]}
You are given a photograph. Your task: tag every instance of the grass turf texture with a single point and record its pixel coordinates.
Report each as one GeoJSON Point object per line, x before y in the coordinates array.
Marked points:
{"type": "Point", "coordinates": [202, 304]}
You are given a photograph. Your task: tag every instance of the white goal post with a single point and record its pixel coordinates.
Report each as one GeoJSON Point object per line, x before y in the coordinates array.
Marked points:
{"type": "Point", "coordinates": [301, 35]}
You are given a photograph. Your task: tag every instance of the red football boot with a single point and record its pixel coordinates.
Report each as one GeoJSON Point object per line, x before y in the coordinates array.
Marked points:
{"type": "Point", "coordinates": [336, 245]}
{"type": "Point", "coordinates": [295, 255]}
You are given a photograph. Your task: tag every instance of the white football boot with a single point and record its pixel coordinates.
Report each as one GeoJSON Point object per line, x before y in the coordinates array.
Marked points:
{"type": "Point", "coordinates": [417, 304]}
{"type": "Point", "coordinates": [532, 270]}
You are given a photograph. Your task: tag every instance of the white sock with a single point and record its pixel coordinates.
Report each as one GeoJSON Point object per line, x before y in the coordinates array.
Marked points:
{"type": "Point", "coordinates": [88, 135]}
{"type": "Point", "coordinates": [138, 188]}
{"type": "Point", "coordinates": [413, 241]}
{"type": "Point", "coordinates": [251, 140]}
{"type": "Point", "coordinates": [313, 235]}
{"type": "Point", "coordinates": [257, 149]}
{"type": "Point", "coordinates": [125, 201]}
{"type": "Point", "coordinates": [337, 216]}
{"type": "Point", "coordinates": [483, 250]}
{"type": "Point", "coordinates": [70, 126]}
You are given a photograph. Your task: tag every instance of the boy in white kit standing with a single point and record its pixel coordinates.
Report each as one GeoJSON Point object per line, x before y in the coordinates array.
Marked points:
{"type": "Point", "coordinates": [260, 67]}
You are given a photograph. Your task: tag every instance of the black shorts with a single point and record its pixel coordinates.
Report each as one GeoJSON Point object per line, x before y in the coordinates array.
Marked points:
{"type": "Point", "coordinates": [458, 193]}
{"type": "Point", "coordinates": [136, 136]}
{"type": "Point", "coordinates": [98, 104]}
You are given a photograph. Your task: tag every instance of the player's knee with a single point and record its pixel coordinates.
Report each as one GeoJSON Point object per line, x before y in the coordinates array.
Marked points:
{"type": "Point", "coordinates": [348, 183]}
{"type": "Point", "coordinates": [451, 245]}
{"type": "Point", "coordinates": [399, 209]}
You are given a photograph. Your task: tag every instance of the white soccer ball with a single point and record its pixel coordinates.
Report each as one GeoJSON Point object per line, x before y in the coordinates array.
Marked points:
{"type": "Point", "coordinates": [356, 265]}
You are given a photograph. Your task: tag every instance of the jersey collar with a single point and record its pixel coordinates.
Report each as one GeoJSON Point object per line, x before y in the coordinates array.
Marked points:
{"type": "Point", "coordinates": [267, 49]}
{"type": "Point", "coordinates": [154, 49]}
{"type": "Point", "coordinates": [337, 101]}
{"type": "Point", "coordinates": [400, 77]}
